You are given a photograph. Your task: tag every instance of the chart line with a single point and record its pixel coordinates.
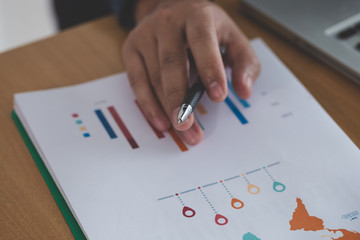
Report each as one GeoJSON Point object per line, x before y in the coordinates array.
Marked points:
{"type": "Point", "coordinates": [236, 111]}
{"type": "Point", "coordinates": [123, 127]}
{"type": "Point", "coordinates": [253, 171]}
{"type": "Point", "coordinates": [187, 191]}
{"type": "Point", "coordinates": [232, 178]}
{"type": "Point", "coordinates": [165, 197]}
{"type": "Point", "coordinates": [210, 184]}
{"type": "Point", "coordinates": [273, 164]}
{"type": "Point", "coordinates": [253, 189]}
{"type": "Point", "coordinates": [105, 123]}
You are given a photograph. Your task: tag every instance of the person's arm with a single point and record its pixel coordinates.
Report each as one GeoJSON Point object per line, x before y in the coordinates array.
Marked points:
{"type": "Point", "coordinates": [155, 55]}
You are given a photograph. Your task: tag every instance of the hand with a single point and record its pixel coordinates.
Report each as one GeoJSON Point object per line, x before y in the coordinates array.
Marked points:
{"type": "Point", "coordinates": [156, 59]}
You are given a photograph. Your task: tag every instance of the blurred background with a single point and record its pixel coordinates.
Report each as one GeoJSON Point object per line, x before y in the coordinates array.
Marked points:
{"type": "Point", "coordinates": [25, 21]}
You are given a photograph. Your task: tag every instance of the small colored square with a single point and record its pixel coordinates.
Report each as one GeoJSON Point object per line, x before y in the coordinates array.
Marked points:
{"type": "Point", "coordinates": [82, 128]}
{"type": "Point", "coordinates": [79, 122]}
{"type": "Point", "coordinates": [86, 135]}
{"type": "Point", "coordinates": [75, 115]}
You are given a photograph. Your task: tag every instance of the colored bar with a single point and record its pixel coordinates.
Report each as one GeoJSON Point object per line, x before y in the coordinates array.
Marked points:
{"type": "Point", "coordinates": [236, 111]}
{"type": "Point", "coordinates": [105, 123]}
{"type": "Point", "coordinates": [202, 110]}
{"type": "Point", "coordinates": [242, 101]}
{"type": "Point", "coordinates": [122, 127]}
{"type": "Point", "coordinates": [158, 133]}
{"type": "Point", "coordinates": [202, 127]}
{"type": "Point", "coordinates": [178, 140]}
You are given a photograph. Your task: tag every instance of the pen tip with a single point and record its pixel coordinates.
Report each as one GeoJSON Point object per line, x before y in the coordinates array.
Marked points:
{"type": "Point", "coordinates": [179, 120]}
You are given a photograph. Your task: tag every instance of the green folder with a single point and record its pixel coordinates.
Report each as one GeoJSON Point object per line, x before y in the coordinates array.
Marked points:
{"type": "Point", "coordinates": [69, 217]}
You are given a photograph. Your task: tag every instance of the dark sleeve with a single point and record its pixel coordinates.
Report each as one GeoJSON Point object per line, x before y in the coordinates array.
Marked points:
{"type": "Point", "coordinates": [73, 12]}
{"type": "Point", "coordinates": [124, 10]}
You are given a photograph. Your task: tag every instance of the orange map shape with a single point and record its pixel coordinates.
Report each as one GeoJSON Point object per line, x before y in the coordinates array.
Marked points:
{"type": "Point", "coordinates": [301, 220]}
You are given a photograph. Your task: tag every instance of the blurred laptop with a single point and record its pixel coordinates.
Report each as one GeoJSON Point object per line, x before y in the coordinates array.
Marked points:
{"type": "Point", "coordinates": [328, 29]}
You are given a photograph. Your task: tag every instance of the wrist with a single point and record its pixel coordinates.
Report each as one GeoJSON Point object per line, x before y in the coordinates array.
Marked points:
{"type": "Point", "coordinates": [144, 7]}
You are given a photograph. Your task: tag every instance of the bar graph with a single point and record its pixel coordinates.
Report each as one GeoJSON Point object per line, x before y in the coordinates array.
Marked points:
{"type": "Point", "coordinates": [125, 130]}
{"type": "Point", "coordinates": [123, 127]}
{"type": "Point", "coordinates": [235, 110]}
{"type": "Point", "coordinates": [235, 201]}
{"type": "Point", "coordinates": [105, 123]}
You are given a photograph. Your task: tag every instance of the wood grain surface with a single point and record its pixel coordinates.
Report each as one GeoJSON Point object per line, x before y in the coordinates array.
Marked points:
{"type": "Point", "coordinates": [93, 50]}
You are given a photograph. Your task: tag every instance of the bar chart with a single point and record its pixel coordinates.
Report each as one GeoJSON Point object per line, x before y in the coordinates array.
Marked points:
{"type": "Point", "coordinates": [126, 130]}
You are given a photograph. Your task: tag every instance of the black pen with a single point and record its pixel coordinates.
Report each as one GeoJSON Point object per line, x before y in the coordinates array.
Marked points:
{"type": "Point", "coordinates": [193, 95]}
{"type": "Point", "coordinates": [191, 100]}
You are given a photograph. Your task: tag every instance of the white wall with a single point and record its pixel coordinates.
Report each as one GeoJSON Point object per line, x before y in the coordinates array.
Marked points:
{"type": "Point", "coordinates": [25, 21]}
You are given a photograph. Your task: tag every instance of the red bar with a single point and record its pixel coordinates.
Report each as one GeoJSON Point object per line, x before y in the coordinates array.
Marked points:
{"type": "Point", "coordinates": [122, 127]}
{"type": "Point", "coordinates": [156, 131]}
{"type": "Point", "coordinates": [178, 140]}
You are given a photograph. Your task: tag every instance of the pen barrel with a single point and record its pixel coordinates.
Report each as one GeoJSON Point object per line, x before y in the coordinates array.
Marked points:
{"type": "Point", "coordinates": [194, 94]}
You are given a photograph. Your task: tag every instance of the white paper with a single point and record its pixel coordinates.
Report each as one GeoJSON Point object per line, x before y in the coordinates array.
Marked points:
{"type": "Point", "coordinates": [117, 192]}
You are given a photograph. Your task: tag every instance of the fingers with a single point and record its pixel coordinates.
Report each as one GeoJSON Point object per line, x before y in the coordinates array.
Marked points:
{"type": "Point", "coordinates": [142, 88]}
{"type": "Point", "coordinates": [203, 42]}
{"type": "Point", "coordinates": [157, 62]}
{"type": "Point", "coordinates": [193, 135]}
{"type": "Point", "coordinates": [242, 60]}
{"type": "Point", "coordinates": [174, 73]}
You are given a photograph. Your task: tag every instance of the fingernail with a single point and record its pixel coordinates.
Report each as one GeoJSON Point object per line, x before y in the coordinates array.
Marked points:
{"type": "Point", "coordinates": [215, 91]}
{"type": "Point", "coordinates": [160, 123]}
{"type": "Point", "coordinates": [248, 82]}
{"type": "Point", "coordinates": [190, 136]}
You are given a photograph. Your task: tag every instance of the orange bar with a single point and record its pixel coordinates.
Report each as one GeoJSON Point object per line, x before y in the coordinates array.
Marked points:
{"type": "Point", "coordinates": [178, 140]}
{"type": "Point", "coordinates": [202, 110]}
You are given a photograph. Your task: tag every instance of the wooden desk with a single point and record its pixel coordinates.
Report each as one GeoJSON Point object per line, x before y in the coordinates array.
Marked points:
{"type": "Point", "coordinates": [93, 50]}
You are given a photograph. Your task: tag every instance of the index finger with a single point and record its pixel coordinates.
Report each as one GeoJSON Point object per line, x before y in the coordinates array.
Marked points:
{"type": "Point", "coordinates": [203, 42]}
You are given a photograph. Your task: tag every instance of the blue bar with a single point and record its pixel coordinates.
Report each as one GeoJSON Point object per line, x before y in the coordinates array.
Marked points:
{"type": "Point", "coordinates": [236, 111]}
{"type": "Point", "coordinates": [242, 101]}
{"type": "Point", "coordinates": [202, 127]}
{"type": "Point", "coordinates": [105, 123]}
